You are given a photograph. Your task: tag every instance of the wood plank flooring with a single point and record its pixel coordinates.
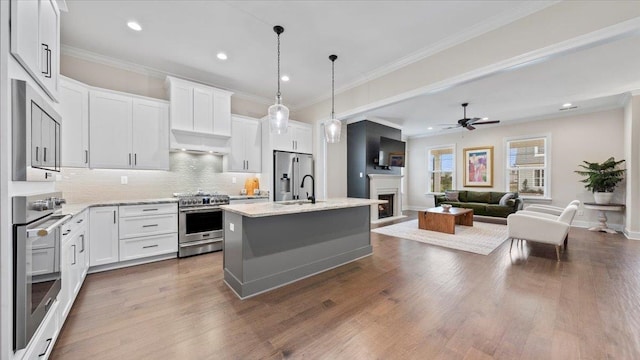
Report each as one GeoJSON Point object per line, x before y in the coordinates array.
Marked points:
{"type": "Point", "coordinates": [409, 300]}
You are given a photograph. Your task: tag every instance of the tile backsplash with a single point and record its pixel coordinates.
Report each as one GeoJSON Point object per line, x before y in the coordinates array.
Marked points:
{"type": "Point", "coordinates": [188, 172]}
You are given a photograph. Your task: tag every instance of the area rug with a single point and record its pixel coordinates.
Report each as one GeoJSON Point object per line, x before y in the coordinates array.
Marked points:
{"type": "Point", "coordinates": [481, 238]}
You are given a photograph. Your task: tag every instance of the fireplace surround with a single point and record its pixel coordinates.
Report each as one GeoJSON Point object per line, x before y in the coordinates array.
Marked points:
{"type": "Point", "coordinates": [386, 185]}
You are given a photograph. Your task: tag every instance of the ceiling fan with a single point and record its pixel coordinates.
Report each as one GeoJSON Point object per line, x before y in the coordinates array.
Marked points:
{"type": "Point", "coordinates": [469, 123]}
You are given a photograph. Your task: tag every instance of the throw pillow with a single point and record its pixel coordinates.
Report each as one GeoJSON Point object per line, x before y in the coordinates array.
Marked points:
{"type": "Point", "coordinates": [505, 198]}
{"type": "Point", "coordinates": [451, 195]}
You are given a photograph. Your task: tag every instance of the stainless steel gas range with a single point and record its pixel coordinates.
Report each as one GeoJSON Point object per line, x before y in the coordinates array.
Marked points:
{"type": "Point", "coordinates": [200, 225]}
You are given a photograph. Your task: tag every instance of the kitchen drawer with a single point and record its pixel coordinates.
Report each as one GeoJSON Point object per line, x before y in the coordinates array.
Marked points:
{"type": "Point", "coordinates": [148, 209]}
{"type": "Point", "coordinates": [148, 246]}
{"type": "Point", "coordinates": [75, 223]}
{"type": "Point", "coordinates": [138, 226]}
{"type": "Point", "coordinates": [41, 344]}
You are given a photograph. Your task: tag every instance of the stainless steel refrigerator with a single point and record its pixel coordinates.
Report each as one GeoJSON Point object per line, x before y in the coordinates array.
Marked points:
{"type": "Point", "coordinates": [288, 171]}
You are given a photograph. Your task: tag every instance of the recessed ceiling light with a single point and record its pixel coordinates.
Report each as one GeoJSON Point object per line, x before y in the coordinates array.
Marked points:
{"type": "Point", "coordinates": [430, 128]}
{"type": "Point", "coordinates": [134, 26]}
{"type": "Point", "coordinates": [285, 78]}
{"type": "Point", "coordinates": [184, 149]}
{"type": "Point", "coordinates": [567, 105]}
{"type": "Point", "coordinates": [222, 56]}
{"type": "Point", "coordinates": [485, 118]}
{"type": "Point", "coordinates": [210, 151]}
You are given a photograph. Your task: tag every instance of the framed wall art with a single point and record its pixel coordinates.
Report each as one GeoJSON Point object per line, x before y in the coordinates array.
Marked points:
{"type": "Point", "coordinates": [478, 166]}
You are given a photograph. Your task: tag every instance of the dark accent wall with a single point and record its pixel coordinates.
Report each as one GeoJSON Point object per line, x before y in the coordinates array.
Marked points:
{"type": "Point", "coordinates": [363, 145]}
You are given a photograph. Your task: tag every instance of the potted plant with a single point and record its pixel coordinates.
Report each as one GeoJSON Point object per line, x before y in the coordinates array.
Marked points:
{"type": "Point", "coordinates": [601, 178]}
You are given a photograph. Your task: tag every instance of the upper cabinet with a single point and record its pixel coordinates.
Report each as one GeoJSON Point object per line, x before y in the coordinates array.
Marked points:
{"type": "Point", "coordinates": [199, 109]}
{"type": "Point", "coordinates": [74, 109]}
{"type": "Point", "coordinates": [298, 138]}
{"type": "Point", "coordinates": [127, 132]}
{"type": "Point", "coordinates": [245, 145]}
{"type": "Point", "coordinates": [35, 41]}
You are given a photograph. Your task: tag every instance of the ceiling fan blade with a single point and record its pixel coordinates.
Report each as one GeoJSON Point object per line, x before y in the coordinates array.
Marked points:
{"type": "Point", "coordinates": [472, 120]}
{"type": "Point", "coordinates": [470, 127]}
{"type": "Point", "coordinates": [487, 122]}
{"type": "Point", "coordinates": [452, 127]}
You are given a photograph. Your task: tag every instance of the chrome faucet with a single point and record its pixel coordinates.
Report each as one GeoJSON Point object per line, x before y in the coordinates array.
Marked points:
{"type": "Point", "coordinates": [313, 188]}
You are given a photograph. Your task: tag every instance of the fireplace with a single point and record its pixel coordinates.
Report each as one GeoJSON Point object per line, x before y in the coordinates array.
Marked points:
{"type": "Point", "coordinates": [385, 210]}
{"type": "Point", "coordinates": [385, 187]}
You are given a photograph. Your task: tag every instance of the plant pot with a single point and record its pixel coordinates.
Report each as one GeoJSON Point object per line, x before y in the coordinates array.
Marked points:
{"type": "Point", "coordinates": [603, 198]}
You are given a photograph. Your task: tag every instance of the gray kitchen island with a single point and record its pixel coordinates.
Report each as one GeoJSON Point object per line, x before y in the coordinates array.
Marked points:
{"type": "Point", "coordinates": [269, 245]}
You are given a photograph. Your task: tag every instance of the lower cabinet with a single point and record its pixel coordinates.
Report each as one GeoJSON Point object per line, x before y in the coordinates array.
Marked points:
{"type": "Point", "coordinates": [74, 261]}
{"type": "Point", "coordinates": [103, 235]}
{"type": "Point", "coordinates": [154, 233]}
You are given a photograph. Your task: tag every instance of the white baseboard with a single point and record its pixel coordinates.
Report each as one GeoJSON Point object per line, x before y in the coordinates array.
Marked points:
{"type": "Point", "coordinates": [416, 208]}
{"type": "Point", "coordinates": [588, 224]}
{"type": "Point", "coordinates": [631, 235]}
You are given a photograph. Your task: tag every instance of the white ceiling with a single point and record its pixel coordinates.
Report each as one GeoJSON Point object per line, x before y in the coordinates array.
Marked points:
{"type": "Point", "coordinates": [369, 37]}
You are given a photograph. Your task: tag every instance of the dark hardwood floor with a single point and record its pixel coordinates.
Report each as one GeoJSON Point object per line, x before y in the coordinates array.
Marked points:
{"type": "Point", "coordinates": [409, 300]}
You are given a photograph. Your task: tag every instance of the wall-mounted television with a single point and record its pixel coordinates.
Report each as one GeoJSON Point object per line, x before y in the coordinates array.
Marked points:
{"type": "Point", "coordinates": [391, 152]}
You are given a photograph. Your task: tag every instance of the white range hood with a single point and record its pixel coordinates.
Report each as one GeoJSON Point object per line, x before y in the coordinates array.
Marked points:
{"type": "Point", "coordinates": [199, 142]}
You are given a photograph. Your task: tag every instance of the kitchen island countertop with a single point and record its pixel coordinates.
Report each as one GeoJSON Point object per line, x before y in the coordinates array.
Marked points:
{"type": "Point", "coordinates": [297, 206]}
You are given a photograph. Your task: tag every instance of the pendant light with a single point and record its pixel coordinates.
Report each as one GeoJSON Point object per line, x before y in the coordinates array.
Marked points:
{"type": "Point", "coordinates": [278, 113]}
{"type": "Point", "coordinates": [332, 127]}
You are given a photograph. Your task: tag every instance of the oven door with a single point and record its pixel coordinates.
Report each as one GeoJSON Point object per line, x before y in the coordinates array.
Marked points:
{"type": "Point", "coordinates": [200, 224]}
{"type": "Point", "coordinates": [36, 274]}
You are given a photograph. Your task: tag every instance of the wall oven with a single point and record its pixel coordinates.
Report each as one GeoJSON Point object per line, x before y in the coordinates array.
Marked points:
{"type": "Point", "coordinates": [36, 261]}
{"type": "Point", "coordinates": [36, 135]}
{"type": "Point", "coordinates": [200, 224]}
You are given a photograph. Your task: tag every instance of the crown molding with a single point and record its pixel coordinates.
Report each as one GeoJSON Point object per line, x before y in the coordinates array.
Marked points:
{"type": "Point", "coordinates": [149, 71]}
{"type": "Point", "coordinates": [490, 24]}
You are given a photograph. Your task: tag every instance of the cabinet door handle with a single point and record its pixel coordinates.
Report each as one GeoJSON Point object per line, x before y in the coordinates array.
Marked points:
{"type": "Point", "coordinates": [114, 216]}
{"type": "Point", "coordinates": [135, 159]}
{"type": "Point", "coordinates": [86, 156]}
{"type": "Point", "coordinates": [82, 237]}
{"type": "Point", "coordinates": [79, 221]}
{"type": "Point", "coordinates": [47, 55]}
{"type": "Point", "coordinates": [149, 209]}
{"type": "Point", "coordinates": [47, 348]}
{"type": "Point", "coordinates": [149, 246]}
{"type": "Point", "coordinates": [44, 157]}
{"type": "Point", "coordinates": [151, 225]}
{"type": "Point", "coordinates": [247, 164]}
{"type": "Point", "coordinates": [74, 254]}
{"type": "Point", "coordinates": [129, 158]}
{"type": "Point", "coordinates": [37, 151]}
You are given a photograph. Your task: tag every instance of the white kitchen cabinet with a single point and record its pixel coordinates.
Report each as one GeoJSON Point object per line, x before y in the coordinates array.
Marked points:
{"type": "Point", "coordinates": [35, 41]}
{"type": "Point", "coordinates": [41, 345]}
{"type": "Point", "coordinates": [103, 235]}
{"type": "Point", "coordinates": [298, 138]}
{"type": "Point", "coordinates": [148, 230]}
{"type": "Point", "coordinates": [199, 109]}
{"type": "Point", "coordinates": [74, 261]}
{"type": "Point", "coordinates": [150, 136]}
{"type": "Point", "coordinates": [74, 110]}
{"type": "Point", "coordinates": [127, 132]}
{"type": "Point", "coordinates": [245, 145]}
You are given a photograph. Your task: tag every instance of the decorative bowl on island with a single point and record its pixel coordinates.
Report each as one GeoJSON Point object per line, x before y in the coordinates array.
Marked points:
{"type": "Point", "coordinates": [446, 207]}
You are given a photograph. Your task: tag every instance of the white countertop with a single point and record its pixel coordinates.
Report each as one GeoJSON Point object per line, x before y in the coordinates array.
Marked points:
{"type": "Point", "coordinates": [293, 207]}
{"type": "Point", "coordinates": [74, 209]}
{"type": "Point", "coordinates": [244, 197]}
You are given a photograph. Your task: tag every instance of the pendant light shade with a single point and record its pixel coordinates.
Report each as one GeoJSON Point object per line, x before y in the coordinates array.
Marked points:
{"type": "Point", "coordinates": [278, 113]}
{"type": "Point", "coordinates": [333, 127]}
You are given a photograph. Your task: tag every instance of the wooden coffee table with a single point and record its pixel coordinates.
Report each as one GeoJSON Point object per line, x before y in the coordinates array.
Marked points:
{"type": "Point", "coordinates": [436, 219]}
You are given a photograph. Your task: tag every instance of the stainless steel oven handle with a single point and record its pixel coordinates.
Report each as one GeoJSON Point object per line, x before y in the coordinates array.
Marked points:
{"type": "Point", "coordinates": [200, 209]}
{"type": "Point", "coordinates": [46, 231]}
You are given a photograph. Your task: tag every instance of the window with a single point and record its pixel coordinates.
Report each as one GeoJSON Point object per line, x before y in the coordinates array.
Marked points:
{"type": "Point", "coordinates": [527, 167]}
{"type": "Point", "coordinates": [441, 169]}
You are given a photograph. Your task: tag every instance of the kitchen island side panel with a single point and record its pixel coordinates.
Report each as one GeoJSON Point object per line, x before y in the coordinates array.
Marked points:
{"type": "Point", "coordinates": [232, 250]}
{"type": "Point", "coordinates": [277, 250]}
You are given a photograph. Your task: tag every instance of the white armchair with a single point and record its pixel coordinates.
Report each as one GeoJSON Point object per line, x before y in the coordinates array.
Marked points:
{"type": "Point", "coordinates": [548, 209]}
{"type": "Point", "coordinates": [542, 228]}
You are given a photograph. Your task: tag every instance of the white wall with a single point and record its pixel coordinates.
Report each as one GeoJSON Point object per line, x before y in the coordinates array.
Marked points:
{"type": "Point", "coordinates": [632, 156]}
{"type": "Point", "coordinates": [591, 137]}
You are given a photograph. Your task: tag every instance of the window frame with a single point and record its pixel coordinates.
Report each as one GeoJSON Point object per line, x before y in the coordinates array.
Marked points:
{"type": "Point", "coordinates": [546, 168]}
{"type": "Point", "coordinates": [430, 171]}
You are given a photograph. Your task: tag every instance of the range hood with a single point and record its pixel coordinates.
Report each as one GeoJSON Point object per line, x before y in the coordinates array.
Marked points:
{"type": "Point", "coordinates": [199, 142]}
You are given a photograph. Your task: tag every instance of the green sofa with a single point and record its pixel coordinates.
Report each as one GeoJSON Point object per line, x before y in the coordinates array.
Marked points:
{"type": "Point", "coordinates": [486, 203]}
